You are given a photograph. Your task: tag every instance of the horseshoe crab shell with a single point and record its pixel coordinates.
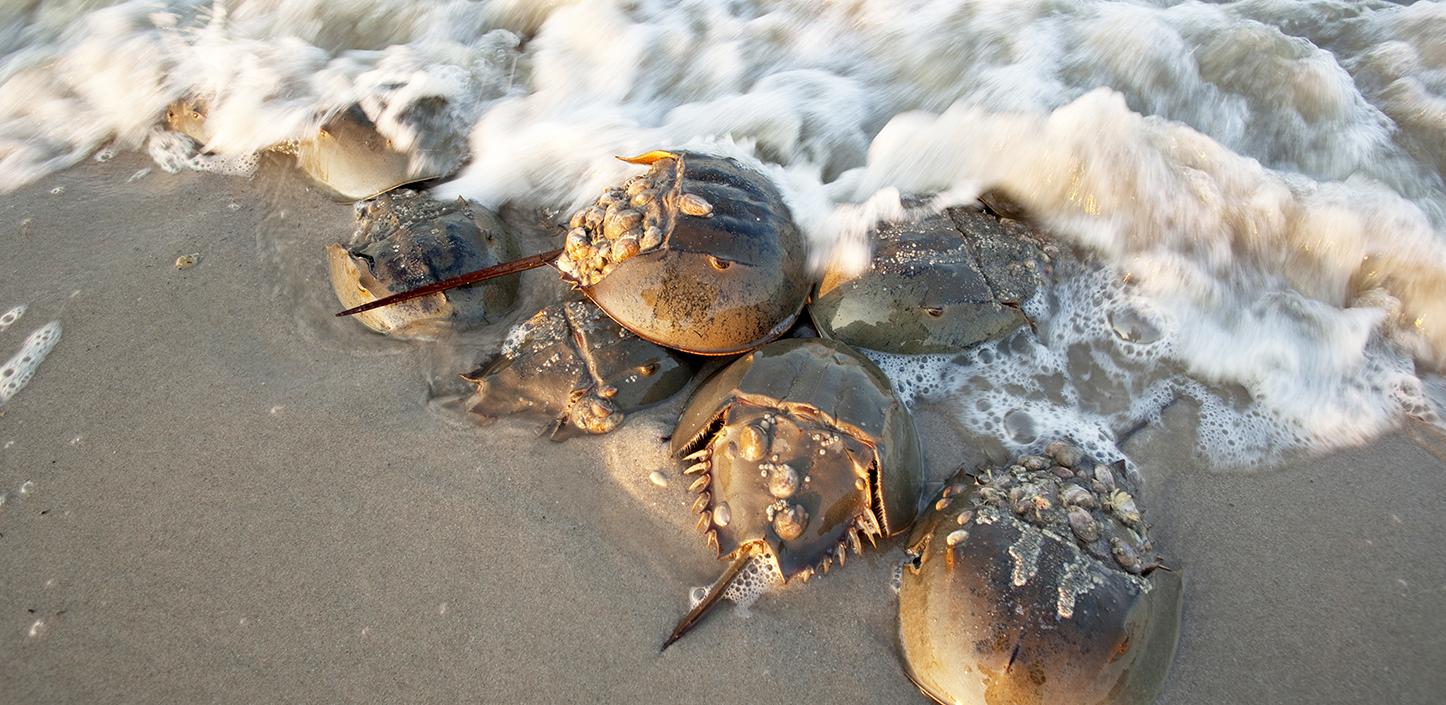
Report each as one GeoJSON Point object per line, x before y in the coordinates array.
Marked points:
{"type": "Point", "coordinates": [1028, 587]}
{"type": "Point", "coordinates": [937, 284]}
{"type": "Point", "coordinates": [352, 160]}
{"type": "Point", "coordinates": [699, 254]}
{"type": "Point", "coordinates": [188, 117]}
{"type": "Point", "coordinates": [573, 364]}
{"type": "Point", "coordinates": [404, 239]}
{"type": "Point", "coordinates": [800, 450]}
{"type": "Point", "coordinates": [347, 156]}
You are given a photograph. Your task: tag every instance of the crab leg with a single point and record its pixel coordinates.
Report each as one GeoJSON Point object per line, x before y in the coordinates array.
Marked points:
{"type": "Point", "coordinates": [714, 593]}
{"type": "Point", "coordinates": [496, 270]}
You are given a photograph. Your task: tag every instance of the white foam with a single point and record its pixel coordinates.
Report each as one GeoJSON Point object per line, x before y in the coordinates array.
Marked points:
{"type": "Point", "coordinates": [19, 369]}
{"type": "Point", "coordinates": [756, 579]}
{"type": "Point", "coordinates": [11, 317]}
{"type": "Point", "coordinates": [1292, 382]}
{"type": "Point", "coordinates": [173, 153]}
{"type": "Point", "coordinates": [271, 71]}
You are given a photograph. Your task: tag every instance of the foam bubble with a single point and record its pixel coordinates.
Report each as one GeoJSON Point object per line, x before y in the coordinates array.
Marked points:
{"type": "Point", "coordinates": [757, 578]}
{"type": "Point", "coordinates": [9, 318]}
{"type": "Point", "coordinates": [896, 577]}
{"type": "Point", "coordinates": [17, 371]}
{"type": "Point", "coordinates": [174, 152]}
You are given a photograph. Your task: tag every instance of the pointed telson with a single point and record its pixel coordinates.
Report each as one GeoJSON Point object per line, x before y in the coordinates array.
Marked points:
{"type": "Point", "coordinates": [715, 592]}
{"type": "Point", "coordinates": [481, 275]}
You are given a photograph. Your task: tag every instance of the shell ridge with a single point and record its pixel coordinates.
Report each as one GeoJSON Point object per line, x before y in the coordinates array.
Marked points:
{"type": "Point", "coordinates": [581, 342]}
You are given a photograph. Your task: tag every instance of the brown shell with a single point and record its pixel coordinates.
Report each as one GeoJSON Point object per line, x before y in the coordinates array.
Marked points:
{"type": "Point", "coordinates": [573, 365]}
{"type": "Point", "coordinates": [719, 283]}
{"type": "Point", "coordinates": [1006, 604]}
{"type": "Point", "coordinates": [935, 284]}
{"type": "Point", "coordinates": [188, 117]}
{"type": "Point", "coordinates": [404, 240]}
{"type": "Point", "coordinates": [815, 408]}
{"type": "Point", "coordinates": [352, 160]}
{"type": "Point", "coordinates": [347, 157]}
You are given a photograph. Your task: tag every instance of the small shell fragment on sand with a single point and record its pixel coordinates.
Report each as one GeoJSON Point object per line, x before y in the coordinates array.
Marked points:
{"type": "Point", "coordinates": [188, 261]}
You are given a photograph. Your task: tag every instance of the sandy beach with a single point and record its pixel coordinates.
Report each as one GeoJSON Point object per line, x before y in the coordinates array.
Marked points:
{"type": "Point", "coordinates": [230, 497]}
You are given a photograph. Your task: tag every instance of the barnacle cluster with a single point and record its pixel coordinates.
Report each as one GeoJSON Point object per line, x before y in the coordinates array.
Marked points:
{"type": "Point", "coordinates": [1036, 582]}
{"type": "Point", "coordinates": [627, 220]}
{"type": "Point", "coordinates": [1064, 494]}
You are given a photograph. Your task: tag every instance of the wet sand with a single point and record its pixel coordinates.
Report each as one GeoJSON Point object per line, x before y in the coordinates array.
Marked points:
{"type": "Point", "coordinates": [238, 499]}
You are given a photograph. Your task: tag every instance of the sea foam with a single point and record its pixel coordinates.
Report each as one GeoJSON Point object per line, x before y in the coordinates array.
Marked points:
{"type": "Point", "coordinates": [20, 368]}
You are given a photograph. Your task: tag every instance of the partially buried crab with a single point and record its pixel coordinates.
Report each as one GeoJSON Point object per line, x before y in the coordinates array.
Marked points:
{"type": "Point", "coordinates": [935, 284]}
{"type": "Point", "coordinates": [800, 452]}
{"type": "Point", "coordinates": [574, 366]}
{"type": "Point", "coordinates": [347, 155]}
{"type": "Point", "coordinates": [404, 239]}
{"type": "Point", "coordinates": [1038, 583]}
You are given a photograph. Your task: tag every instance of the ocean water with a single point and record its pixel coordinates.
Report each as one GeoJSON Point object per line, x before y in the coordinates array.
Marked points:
{"type": "Point", "coordinates": [1256, 188]}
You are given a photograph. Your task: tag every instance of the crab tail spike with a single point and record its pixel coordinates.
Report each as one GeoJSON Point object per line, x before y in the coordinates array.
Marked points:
{"type": "Point", "coordinates": [646, 158]}
{"type": "Point", "coordinates": [701, 483]}
{"type": "Point", "coordinates": [696, 468]}
{"type": "Point", "coordinates": [715, 591]}
{"type": "Point", "coordinates": [842, 552]}
{"type": "Point", "coordinates": [698, 455]}
{"type": "Point", "coordinates": [481, 275]}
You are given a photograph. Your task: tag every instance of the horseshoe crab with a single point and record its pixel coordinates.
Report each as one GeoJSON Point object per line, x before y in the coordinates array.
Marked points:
{"type": "Point", "coordinates": [800, 450]}
{"type": "Point", "coordinates": [936, 284]}
{"type": "Point", "coordinates": [188, 117]}
{"type": "Point", "coordinates": [1038, 583]}
{"type": "Point", "coordinates": [347, 156]}
{"type": "Point", "coordinates": [350, 158]}
{"type": "Point", "coordinates": [699, 254]}
{"type": "Point", "coordinates": [404, 238]}
{"type": "Point", "coordinates": [572, 363]}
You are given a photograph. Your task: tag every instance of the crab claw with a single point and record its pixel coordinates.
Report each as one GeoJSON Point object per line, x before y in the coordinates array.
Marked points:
{"type": "Point", "coordinates": [715, 591]}
{"type": "Point", "coordinates": [647, 158]}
